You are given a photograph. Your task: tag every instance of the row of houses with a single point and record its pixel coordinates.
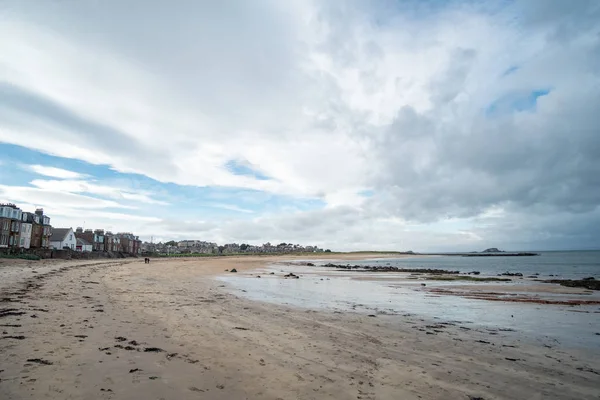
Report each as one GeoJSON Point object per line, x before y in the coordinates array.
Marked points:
{"type": "Point", "coordinates": [20, 229]}
{"type": "Point", "coordinates": [89, 240]}
{"type": "Point", "coordinates": [268, 248]}
{"type": "Point", "coordinates": [202, 247]}
{"type": "Point", "coordinates": [25, 230]}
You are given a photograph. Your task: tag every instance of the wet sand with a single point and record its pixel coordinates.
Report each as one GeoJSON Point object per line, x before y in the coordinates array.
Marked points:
{"type": "Point", "coordinates": [126, 330]}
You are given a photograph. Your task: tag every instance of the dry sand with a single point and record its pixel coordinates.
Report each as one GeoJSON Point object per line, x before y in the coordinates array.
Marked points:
{"type": "Point", "coordinates": [168, 330]}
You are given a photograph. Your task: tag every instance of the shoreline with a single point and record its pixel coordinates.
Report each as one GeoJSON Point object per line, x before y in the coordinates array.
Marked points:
{"type": "Point", "coordinates": [170, 330]}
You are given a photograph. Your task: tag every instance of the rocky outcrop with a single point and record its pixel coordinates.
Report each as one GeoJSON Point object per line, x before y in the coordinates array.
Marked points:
{"type": "Point", "coordinates": [388, 268]}
{"type": "Point", "coordinates": [589, 283]}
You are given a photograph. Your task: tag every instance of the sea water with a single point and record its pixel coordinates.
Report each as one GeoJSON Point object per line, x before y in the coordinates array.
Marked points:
{"type": "Point", "coordinates": [560, 264]}
{"type": "Point", "coordinates": [392, 293]}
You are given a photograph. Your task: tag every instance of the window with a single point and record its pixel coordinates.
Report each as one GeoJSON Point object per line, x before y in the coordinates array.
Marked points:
{"type": "Point", "coordinates": [70, 237]}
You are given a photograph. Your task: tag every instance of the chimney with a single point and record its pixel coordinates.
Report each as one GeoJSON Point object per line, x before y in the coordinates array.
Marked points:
{"type": "Point", "coordinates": [79, 230]}
{"type": "Point", "coordinates": [39, 211]}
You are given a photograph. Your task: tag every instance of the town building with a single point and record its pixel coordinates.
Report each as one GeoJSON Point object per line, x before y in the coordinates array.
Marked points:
{"type": "Point", "coordinates": [129, 243]}
{"type": "Point", "coordinates": [36, 232]}
{"type": "Point", "coordinates": [41, 231]}
{"type": "Point", "coordinates": [83, 246]}
{"type": "Point", "coordinates": [112, 242]}
{"type": "Point", "coordinates": [26, 230]}
{"type": "Point", "coordinates": [87, 235]}
{"type": "Point", "coordinates": [63, 238]}
{"type": "Point", "coordinates": [98, 240]}
{"type": "Point", "coordinates": [10, 225]}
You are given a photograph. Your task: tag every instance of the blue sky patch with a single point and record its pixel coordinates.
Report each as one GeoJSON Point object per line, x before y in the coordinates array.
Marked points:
{"type": "Point", "coordinates": [516, 102]}
{"type": "Point", "coordinates": [183, 201]}
{"type": "Point", "coordinates": [511, 70]}
{"type": "Point", "coordinates": [242, 168]}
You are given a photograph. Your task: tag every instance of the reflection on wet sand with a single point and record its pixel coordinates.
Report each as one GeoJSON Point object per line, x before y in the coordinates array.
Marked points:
{"type": "Point", "coordinates": [522, 305]}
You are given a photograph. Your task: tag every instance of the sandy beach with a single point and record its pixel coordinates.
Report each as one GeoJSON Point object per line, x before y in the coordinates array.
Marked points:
{"type": "Point", "coordinates": [122, 329]}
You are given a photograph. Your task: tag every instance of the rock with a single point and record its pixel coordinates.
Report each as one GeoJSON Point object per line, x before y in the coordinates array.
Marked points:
{"type": "Point", "coordinates": [511, 274]}
{"type": "Point", "coordinates": [258, 276]}
{"type": "Point", "coordinates": [291, 275]}
{"type": "Point", "coordinates": [153, 350]}
{"type": "Point", "coordinates": [39, 361]}
{"type": "Point", "coordinates": [233, 270]}
{"type": "Point", "coordinates": [591, 284]}
{"type": "Point", "coordinates": [423, 284]}
{"type": "Point", "coordinates": [367, 268]}
{"type": "Point", "coordinates": [310, 264]}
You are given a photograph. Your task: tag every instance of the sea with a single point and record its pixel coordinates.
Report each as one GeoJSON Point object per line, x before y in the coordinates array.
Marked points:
{"type": "Point", "coordinates": [392, 294]}
{"type": "Point", "coordinates": [559, 264]}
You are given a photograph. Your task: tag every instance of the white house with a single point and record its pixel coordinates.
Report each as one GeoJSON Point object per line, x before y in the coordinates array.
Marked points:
{"type": "Point", "coordinates": [83, 245]}
{"type": "Point", "coordinates": [63, 237]}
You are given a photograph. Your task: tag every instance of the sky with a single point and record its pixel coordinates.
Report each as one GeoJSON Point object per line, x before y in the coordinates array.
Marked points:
{"type": "Point", "coordinates": [351, 125]}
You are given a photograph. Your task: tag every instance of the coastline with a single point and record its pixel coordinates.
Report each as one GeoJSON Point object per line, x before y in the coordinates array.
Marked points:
{"type": "Point", "coordinates": [94, 321]}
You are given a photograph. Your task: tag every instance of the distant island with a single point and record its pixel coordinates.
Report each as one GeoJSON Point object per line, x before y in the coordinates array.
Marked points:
{"type": "Point", "coordinates": [491, 252]}
{"type": "Point", "coordinates": [495, 252]}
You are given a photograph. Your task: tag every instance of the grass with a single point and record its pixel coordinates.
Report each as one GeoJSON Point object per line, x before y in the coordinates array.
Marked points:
{"type": "Point", "coordinates": [467, 278]}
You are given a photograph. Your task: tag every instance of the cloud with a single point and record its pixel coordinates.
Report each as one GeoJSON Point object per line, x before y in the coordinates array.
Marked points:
{"type": "Point", "coordinates": [52, 197]}
{"type": "Point", "coordinates": [441, 112]}
{"type": "Point", "coordinates": [81, 186]}
{"type": "Point", "coordinates": [54, 172]}
{"type": "Point", "coordinates": [229, 207]}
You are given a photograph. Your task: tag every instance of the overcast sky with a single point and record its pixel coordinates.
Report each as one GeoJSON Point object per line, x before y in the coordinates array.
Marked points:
{"type": "Point", "coordinates": [390, 125]}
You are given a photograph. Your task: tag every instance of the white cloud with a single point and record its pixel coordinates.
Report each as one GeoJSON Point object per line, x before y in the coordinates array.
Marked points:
{"type": "Point", "coordinates": [52, 197]}
{"type": "Point", "coordinates": [229, 207]}
{"type": "Point", "coordinates": [80, 186]}
{"type": "Point", "coordinates": [328, 99]}
{"type": "Point", "coordinates": [54, 172]}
